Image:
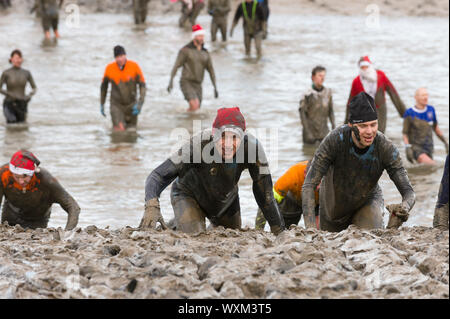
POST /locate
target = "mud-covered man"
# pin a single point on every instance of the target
(125, 77)
(206, 171)
(15, 104)
(140, 8)
(30, 192)
(419, 122)
(219, 10)
(440, 219)
(50, 16)
(194, 59)
(255, 24)
(351, 160)
(375, 83)
(288, 194)
(190, 9)
(316, 107)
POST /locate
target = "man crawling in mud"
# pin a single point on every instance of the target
(206, 171)
(29, 193)
(351, 160)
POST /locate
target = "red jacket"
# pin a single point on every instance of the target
(383, 85)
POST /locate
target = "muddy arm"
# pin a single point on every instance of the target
(398, 103)
(33, 85)
(331, 114)
(323, 159)
(397, 173)
(181, 58)
(64, 199)
(2, 82)
(159, 179)
(104, 90)
(211, 72)
(440, 135)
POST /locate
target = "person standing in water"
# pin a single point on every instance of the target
(15, 104)
(351, 160)
(316, 107)
(418, 125)
(206, 172)
(255, 26)
(194, 59)
(190, 10)
(288, 194)
(125, 77)
(440, 219)
(30, 192)
(140, 8)
(50, 16)
(376, 84)
(219, 10)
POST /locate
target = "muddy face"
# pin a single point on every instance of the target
(228, 145)
(367, 133)
(22, 180)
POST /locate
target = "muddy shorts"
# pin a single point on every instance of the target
(419, 150)
(15, 111)
(191, 218)
(50, 19)
(123, 114)
(191, 90)
(369, 216)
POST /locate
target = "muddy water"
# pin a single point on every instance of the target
(107, 176)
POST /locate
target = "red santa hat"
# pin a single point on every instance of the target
(364, 61)
(229, 119)
(197, 30)
(23, 163)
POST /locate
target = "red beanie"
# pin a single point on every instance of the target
(229, 118)
(23, 163)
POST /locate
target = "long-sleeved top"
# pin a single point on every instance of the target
(316, 107)
(16, 80)
(33, 203)
(383, 86)
(253, 15)
(194, 63)
(124, 84)
(219, 8)
(200, 173)
(356, 173)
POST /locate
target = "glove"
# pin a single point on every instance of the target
(398, 215)
(409, 153)
(136, 110)
(170, 87)
(216, 93)
(152, 215)
(102, 110)
(211, 12)
(276, 230)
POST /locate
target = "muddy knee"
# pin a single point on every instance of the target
(369, 217)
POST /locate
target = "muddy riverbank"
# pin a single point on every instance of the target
(128, 263)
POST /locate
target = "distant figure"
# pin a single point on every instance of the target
(219, 10)
(194, 59)
(190, 10)
(440, 219)
(288, 194)
(15, 104)
(375, 83)
(30, 192)
(125, 77)
(418, 125)
(50, 16)
(316, 107)
(5, 4)
(140, 8)
(255, 26)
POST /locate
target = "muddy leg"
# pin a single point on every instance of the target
(247, 43)
(370, 216)
(214, 28)
(189, 217)
(258, 44)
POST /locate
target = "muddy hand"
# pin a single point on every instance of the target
(409, 153)
(170, 87)
(152, 215)
(398, 215)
